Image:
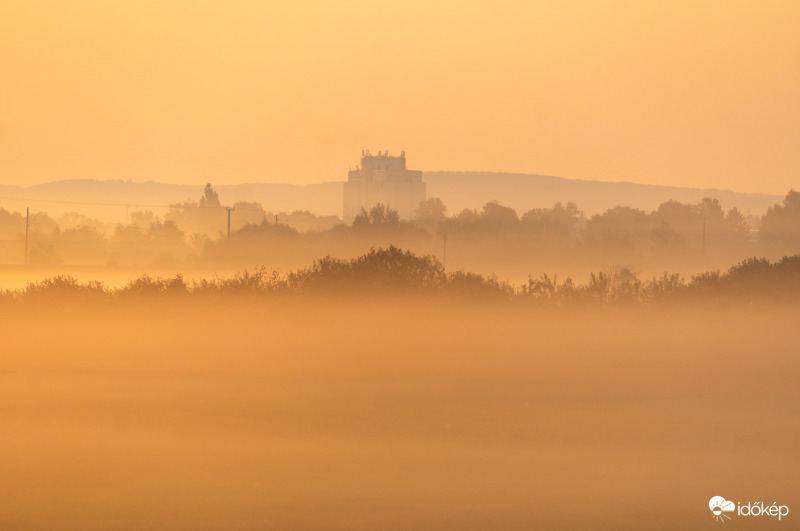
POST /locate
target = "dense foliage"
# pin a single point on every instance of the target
(196, 232)
(393, 272)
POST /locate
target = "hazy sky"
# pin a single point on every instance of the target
(682, 93)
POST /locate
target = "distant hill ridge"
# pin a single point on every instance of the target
(525, 191)
(458, 190)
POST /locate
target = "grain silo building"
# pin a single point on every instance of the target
(384, 179)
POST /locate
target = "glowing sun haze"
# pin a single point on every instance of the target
(680, 93)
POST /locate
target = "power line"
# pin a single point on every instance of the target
(59, 201)
(90, 203)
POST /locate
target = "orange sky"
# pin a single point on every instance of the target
(681, 93)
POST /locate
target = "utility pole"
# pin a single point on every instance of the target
(229, 220)
(276, 220)
(444, 251)
(27, 215)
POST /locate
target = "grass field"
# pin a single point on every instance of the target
(394, 414)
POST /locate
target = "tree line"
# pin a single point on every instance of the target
(394, 272)
(196, 232)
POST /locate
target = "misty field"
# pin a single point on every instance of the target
(393, 413)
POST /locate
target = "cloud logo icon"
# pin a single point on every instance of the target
(719, 506)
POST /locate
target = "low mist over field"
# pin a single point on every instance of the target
(406, 403)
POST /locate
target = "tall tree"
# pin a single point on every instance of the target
(210, 197)
(781, 224)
